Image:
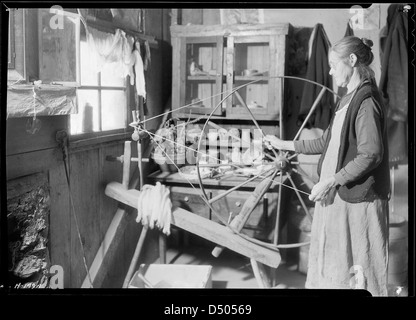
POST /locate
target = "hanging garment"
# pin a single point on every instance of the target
(106, 48)
(394, 81)
(129, 59)
(318, 71)
(139, 71)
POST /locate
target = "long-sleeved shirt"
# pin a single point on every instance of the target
(362, 163)
(369, 149)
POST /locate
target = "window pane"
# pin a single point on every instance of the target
(113, 109)
(112, 75)
(89, 76)
(87, 119)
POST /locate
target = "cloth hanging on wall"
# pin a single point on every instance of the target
(120, 49)
(318, 71)
(111, 48)
(394, 80)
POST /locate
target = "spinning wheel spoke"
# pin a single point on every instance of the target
(314, 105)
(253, 118)
(222, 195)
(304, 163)
(305, 208)
(292, 156)
(270, 157)
(304, 174)
(237, 94)
(279, 201)
(225, 164)
(216, 126)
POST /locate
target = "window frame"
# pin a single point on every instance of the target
(12, 54)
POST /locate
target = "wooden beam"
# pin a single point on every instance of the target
(19, 141)
(112, 26)
(203, 227)
(232, 30)
(19, 165)
(111, 239)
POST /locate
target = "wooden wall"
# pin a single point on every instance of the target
(89, 173)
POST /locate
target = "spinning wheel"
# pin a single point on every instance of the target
(281, 167)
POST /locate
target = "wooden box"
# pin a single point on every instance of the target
(173, 276)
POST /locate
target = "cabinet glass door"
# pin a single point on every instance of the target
(254, 68)
(203, 76)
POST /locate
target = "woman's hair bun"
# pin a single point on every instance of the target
(367, 42)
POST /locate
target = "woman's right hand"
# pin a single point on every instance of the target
(272, 141)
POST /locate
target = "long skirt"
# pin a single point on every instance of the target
(349, 246)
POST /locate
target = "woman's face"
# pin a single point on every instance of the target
(340, 71)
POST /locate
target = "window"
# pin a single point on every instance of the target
(101, 98)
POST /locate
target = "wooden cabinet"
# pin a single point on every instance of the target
(189, 199)
(209, 62)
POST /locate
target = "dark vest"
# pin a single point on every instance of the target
(376, 183)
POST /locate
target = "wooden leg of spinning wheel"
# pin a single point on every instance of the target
(135, 258)
(260, 272)
(126, 164)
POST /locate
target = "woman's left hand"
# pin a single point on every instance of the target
(321, 189)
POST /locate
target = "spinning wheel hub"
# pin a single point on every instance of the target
(282, 163)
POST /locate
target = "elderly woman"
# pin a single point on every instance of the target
(349, 236)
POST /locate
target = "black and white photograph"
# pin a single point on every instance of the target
(181, 146)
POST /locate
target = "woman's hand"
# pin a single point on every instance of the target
(321, 189)
(272, 141)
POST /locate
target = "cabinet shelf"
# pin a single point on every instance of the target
(201, 78)
(251, 78)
